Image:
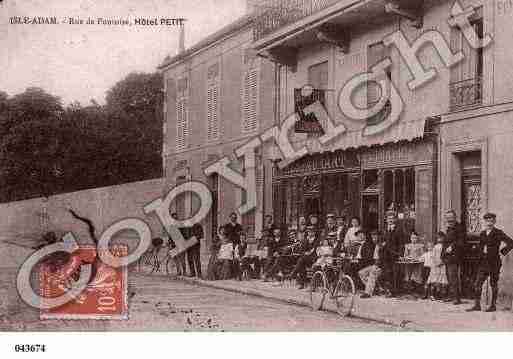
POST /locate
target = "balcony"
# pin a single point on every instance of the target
(466, 93)
(275, 14)
(282, 27)
(308, 123)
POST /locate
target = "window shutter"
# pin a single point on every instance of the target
(181, 124)
(213, 103)
(376, 53)
(250, 100)
(182, 120)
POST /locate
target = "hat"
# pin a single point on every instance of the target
(490, 215)
(330, 215)
(375, 231)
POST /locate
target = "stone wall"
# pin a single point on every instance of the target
(24, 222)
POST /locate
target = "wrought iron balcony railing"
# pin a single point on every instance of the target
(274, 14)
(466, 93)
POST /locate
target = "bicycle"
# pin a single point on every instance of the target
(333, 281)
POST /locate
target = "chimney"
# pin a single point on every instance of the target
(181, 39)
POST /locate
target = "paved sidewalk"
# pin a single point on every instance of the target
(421, 315)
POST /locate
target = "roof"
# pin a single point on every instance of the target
(235, 26)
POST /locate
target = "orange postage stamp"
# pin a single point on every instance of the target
(105, 297)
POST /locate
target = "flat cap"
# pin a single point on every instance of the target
(490, 215)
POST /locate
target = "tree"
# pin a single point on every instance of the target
(47, 149)
(134, 107)
(29, 143)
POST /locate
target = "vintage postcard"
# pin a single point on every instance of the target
(256, 165)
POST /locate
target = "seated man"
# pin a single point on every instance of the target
(307, 256)
(288, 255)
(373, 272)
(364, 256)
(275, 247)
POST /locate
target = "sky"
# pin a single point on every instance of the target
(81, 62)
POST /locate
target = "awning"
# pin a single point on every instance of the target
(402, 131)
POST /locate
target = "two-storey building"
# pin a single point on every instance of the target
(219, 95)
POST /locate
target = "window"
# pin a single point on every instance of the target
(377, 52)
(213, 102)
(466, 77)
(318, 76)
(182, 120)
(250, 99)
(180, 201)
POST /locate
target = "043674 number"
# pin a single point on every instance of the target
(30, 348)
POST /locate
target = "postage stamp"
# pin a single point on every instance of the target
(105, 297)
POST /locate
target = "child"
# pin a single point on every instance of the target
(324, 254)
(412, 252)
(427, 260)
(226, 255)
(437, 280)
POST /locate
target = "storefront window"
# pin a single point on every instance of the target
(399, 192)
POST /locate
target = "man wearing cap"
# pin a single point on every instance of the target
(490, 262)
(452, 255)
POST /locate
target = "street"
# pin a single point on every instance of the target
(158, 303)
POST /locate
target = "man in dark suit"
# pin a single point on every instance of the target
(233, 229)
(490, 262)
(194, 252)
(394, 247)
(452, 255)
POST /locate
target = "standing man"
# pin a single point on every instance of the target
(313, 220)
(394, 242)
(233, 229)
(452, 255)
(194, 252)
(181, 268)
(490, 262)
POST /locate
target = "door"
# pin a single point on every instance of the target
(471, 215)
(313, 206)
(370, 209)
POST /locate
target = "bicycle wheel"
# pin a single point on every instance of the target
(344, 295)
(318, 290)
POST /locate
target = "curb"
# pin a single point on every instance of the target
(403, 324)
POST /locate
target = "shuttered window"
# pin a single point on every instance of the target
(472, 66)
(250, 100)
(182, 116)
(376, 53)
(318, 76)
(213, 103)
(466, 77)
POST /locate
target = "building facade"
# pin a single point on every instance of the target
(449, 150)
(219, 95)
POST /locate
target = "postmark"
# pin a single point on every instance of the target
(105, 296)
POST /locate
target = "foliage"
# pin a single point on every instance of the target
(46, 148)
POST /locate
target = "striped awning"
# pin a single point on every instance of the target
(403, 131)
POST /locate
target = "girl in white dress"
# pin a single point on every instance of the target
(437, 280)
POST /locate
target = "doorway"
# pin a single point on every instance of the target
(313, 206)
